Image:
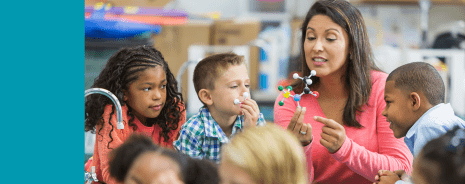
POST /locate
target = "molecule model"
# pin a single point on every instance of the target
(236, 101)
(296, 97)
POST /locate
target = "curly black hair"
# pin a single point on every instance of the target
(121, 70)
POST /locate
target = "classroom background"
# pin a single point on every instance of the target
(266, 32)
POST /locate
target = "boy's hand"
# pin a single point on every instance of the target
(401, 173)
(250, 111)
(378, 175)
(386, 177)
(333, 134)
(302, 131)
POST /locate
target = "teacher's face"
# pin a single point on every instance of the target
(326, 46)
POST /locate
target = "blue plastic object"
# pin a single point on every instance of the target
(97, 27)
(296, 97)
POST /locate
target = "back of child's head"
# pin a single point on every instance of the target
(268, 154)
(122, 69)
(210, 68)
(124, 156)
(419, 77)
(192, 171)
(200, 172)
(442, 160)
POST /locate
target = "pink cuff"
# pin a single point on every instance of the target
(308, 147)
(342, 153)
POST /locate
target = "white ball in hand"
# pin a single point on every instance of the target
(246, 95)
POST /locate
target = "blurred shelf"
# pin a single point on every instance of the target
(264, 97)
(93, 43)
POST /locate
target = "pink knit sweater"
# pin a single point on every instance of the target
(101, 151)
(364, 151)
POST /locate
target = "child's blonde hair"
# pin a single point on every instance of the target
(268, 154)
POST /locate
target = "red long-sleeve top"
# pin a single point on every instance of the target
(101, 148)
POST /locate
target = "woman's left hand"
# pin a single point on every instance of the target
(250, 111)
(333, 134)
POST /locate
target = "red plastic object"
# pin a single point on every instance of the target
(88, 164)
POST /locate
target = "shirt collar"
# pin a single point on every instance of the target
(237, 125)
(435, 112)
(212, 129)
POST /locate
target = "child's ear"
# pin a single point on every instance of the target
(205, 97)
(125, 95)
(415, 101)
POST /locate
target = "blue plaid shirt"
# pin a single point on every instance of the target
(201, 137)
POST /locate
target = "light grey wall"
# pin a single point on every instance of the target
(231, 8)
(227, 8)
(405, 20)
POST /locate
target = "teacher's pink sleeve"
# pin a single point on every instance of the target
(393, 154)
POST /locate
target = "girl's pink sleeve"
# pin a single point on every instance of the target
(393, 154)
(117, 138)
(282, 117)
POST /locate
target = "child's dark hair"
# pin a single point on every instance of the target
(419, 77)
(442, 160)
(193, 171)
(200, 172)
(122, 157)
(120, 71)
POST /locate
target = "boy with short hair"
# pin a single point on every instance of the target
(218, 80)
(414, 95)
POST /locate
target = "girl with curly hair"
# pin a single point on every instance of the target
(142, 81)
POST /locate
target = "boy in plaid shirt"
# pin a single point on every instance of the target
(218, 80)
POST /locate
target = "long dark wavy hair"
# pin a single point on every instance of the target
(360, 61)
(121, 70)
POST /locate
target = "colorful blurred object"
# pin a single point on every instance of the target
(141, 15)
(88, 164)
(106, 22)
(440, 66)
